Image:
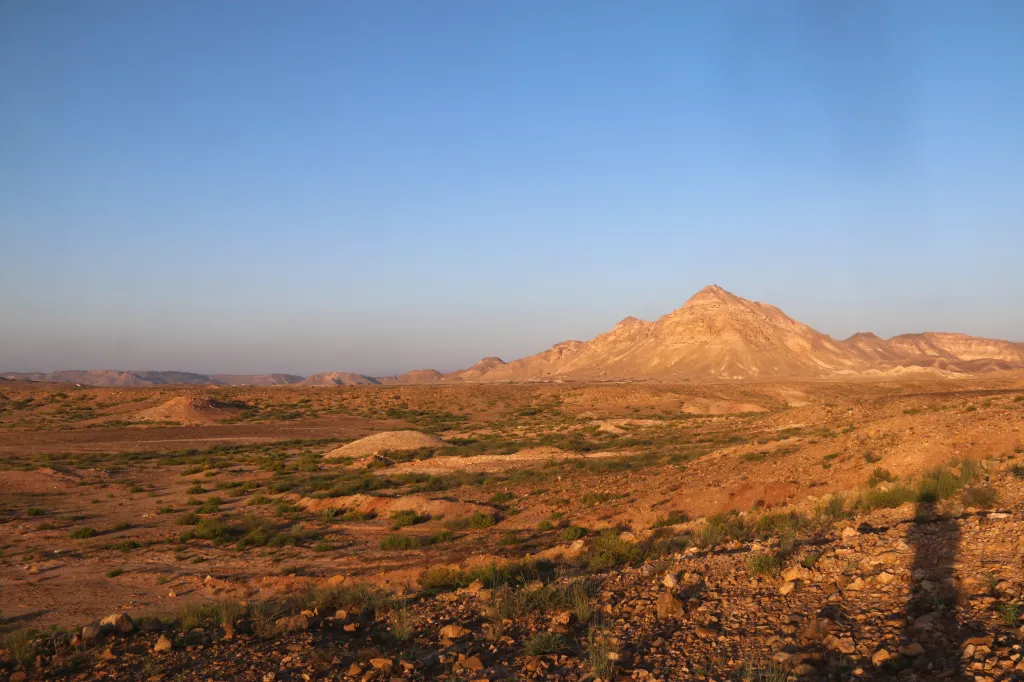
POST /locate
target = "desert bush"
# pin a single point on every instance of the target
(82, 533)
(196, 489)
(407, 517)
(573, 533)
(609, 550)
(115, 572)
(831, 510)
(481, 520)
(673, 518)
(188, 519)
(398, 541)
(880, 475)
(981, 496)
(501, 498)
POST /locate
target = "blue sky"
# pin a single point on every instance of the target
(381, 186)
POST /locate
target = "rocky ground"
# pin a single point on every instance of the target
(861, 532)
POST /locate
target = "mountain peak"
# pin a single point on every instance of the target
(713, 293)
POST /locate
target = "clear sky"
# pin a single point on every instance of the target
(380, 186)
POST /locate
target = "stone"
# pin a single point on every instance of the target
(787, 587)
(880, 657)
(380, 663)
(120, 623)
(671, 580)
(18, 676)
(293, 623)
(855, 585)
(668, 606)
(453, 631)
(162, 644)
(913, 649)
(796, 573)
(884, 578)
(850, 532)
(90, 633)
(705, 632)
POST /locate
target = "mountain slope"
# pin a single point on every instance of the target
(718, 335)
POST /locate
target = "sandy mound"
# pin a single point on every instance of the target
(384, 506)
(523, 458)
(393, 441)
(185, 409)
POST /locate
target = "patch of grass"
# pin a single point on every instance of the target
(887, 499)
(124, 546)
(544, 643)
(764, 564)
(22, 646)
(210, 505)
(444, 578)
(188, 519)
(754, 456)
(82, 533)
(871, 457)
(195, 489)
(258, 500)
(673, 518)
(402, 625)
(398, 541)
(407, 517)
(600, 653)
(35, 511)
(323, 546)
(114, 573)
(1009, 613)
(501, 498)
(911, 411)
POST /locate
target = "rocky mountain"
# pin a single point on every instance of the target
(715, 336)
(255, 379)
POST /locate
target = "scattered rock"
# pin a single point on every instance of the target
(162, 644)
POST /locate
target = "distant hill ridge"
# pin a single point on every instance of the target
(715, 336)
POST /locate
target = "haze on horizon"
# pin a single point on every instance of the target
(340, 186)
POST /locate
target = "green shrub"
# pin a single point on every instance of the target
(188, 519)
(260, 499)
(481, 520)
(114, 573)
(501, 498)
(407, 517)
(35, 511)
(609, 550)
(573, 533)
(82, 533)
(196, 489)
(764, 564)
(673, 518)
(397, 541)
(880, 475)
